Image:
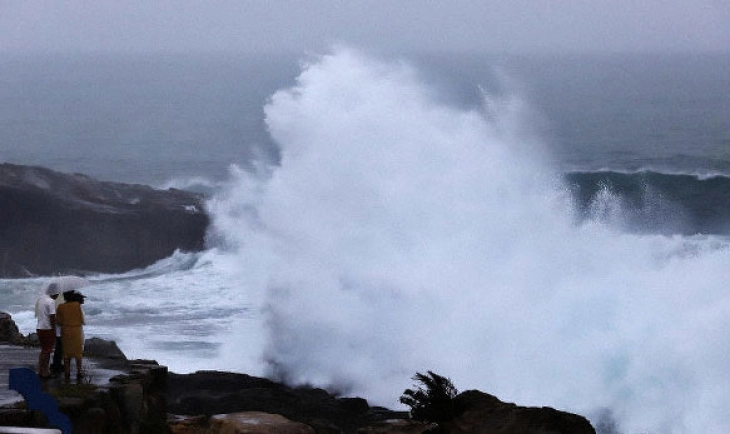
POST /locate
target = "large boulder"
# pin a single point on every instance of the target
(481, 413)
(103, 349)
(54, 223)
(9, 332)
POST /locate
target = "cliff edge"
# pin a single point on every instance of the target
(55, 223)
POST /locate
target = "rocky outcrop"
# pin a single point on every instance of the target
(210, 393)
(9, 332)
(54, 223)
(213, 392)
(103, 349)
(399, 426)
(481, 413)
(146, 398)
(131, 403)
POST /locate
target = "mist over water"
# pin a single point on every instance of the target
(399, 235)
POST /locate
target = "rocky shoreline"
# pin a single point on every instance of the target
(145, 398)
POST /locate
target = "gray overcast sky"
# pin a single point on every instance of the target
(397, 25)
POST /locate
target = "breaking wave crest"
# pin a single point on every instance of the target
(399, 235)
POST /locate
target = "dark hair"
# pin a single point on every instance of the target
(71, 296)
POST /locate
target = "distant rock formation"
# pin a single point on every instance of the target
(54, 223)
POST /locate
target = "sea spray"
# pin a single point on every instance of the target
(579, 310)
(400, 235)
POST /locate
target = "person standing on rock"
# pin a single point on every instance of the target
(45, 312)
(57, 363)
(70, 316)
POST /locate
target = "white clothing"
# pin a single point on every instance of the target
(44, 308)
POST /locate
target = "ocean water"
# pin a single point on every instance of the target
(551, 230)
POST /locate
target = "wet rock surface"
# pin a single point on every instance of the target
(213, 392)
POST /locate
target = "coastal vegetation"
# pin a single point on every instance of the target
(432, 400)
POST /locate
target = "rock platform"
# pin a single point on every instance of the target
(115, 395)
(14, 356)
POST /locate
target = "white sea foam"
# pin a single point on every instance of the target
(399, 235)
(179, 311)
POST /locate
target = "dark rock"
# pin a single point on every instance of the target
(93, 421)
(398, 426)
(9, 330)
(54, 223)
(140, 396)
(481, 413)
(22, 417)
(72, 406)
(103, 349)
(131, 405)
(213, 392)
(130, 398)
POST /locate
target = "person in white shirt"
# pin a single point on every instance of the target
(45, 312)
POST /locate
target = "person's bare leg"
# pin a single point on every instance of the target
(67, 367)
(79, 372)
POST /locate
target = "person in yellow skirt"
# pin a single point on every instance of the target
(70, 316)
